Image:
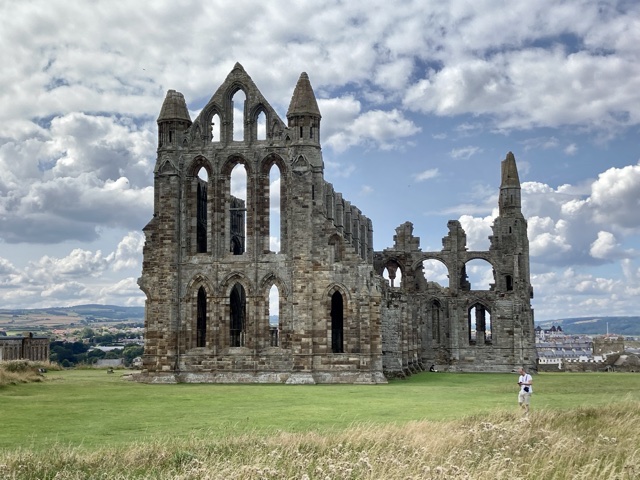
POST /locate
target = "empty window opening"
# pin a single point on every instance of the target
(238, 102)
(478, 275)
(393, 274)
(434, 274)
(275, 199)
(509, 283)
(215, 128)
(201, 323)
(238, 314)
(274, 316)
(311, 133)
(238, 210)
(479, 323)
(301, 134)
(201, 213)
(261, 124)
(337, 323)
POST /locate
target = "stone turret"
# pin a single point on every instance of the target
(173, 120)
(510, 195)
(303, 115)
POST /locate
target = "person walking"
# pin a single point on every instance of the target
(526, 389)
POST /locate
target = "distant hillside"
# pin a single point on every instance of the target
(113, 312)
(57, 317)
(627, 326)
(84, 314)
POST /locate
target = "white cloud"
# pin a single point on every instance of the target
(348, 126)
(81, 93)
(128, 253)
(465, 152)
(426, 175)
(572, 225)
(614, 197)
(604, 245)
(124, 292)
(78, 277)
(571, 149)
(478, 231)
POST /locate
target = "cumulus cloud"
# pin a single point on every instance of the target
(604, 245)
(570, 224)
(477, 230)
(124, 292)
(568, 227)
(128, 252)
(81, 93)
(614, 197)
(78, 277)
(348, 126)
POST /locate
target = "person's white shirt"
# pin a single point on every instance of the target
(525, 379)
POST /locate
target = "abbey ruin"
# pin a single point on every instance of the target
(209, 268)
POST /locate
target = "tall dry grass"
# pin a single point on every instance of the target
(585, 443)
(13, 372)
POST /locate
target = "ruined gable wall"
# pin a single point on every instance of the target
(439, 315)
(318, 258)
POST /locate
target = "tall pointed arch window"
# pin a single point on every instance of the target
(238, 210)
(238, 101)
(275, 204)
(274, 316)
(215, 128)
(201, 321)
(337, 323)
(238, 315)
(201, 211)
(261, 126)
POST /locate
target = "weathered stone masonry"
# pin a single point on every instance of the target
(208, 268)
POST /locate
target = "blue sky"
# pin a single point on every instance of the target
(420, 102)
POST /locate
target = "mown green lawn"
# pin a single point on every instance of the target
(90, 408)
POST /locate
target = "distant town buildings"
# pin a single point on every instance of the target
(559, 351)
(24, 347)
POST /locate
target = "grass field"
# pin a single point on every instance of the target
(83, 417)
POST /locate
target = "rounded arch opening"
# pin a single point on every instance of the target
(477, 274)
(434, 273)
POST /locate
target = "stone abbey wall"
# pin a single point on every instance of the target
(208, 267)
